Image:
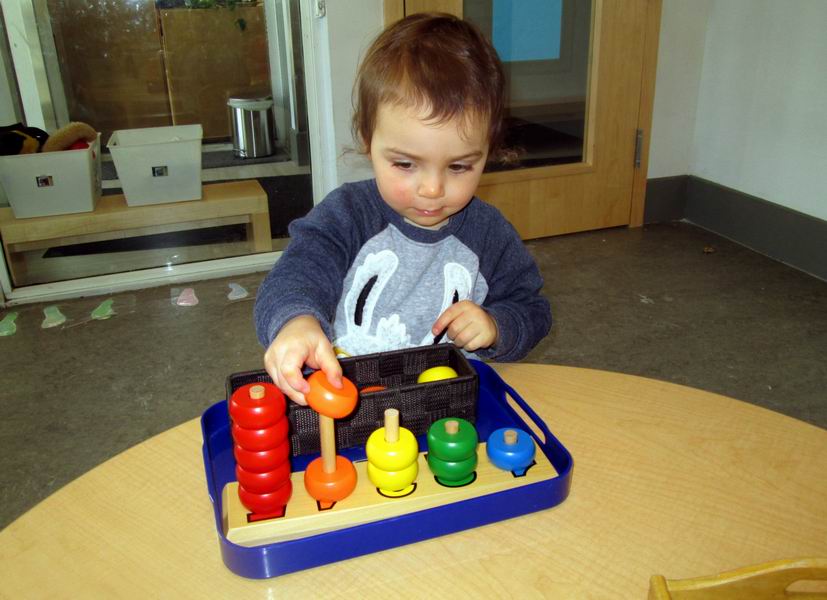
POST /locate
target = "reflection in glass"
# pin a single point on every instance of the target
(150, 65)
(544, 46)
(129, 64)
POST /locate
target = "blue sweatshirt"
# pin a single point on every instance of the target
(375, 282)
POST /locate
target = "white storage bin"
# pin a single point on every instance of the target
(52, 183)
(158, 164)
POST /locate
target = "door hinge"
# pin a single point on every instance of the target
(319, 8)
(638, 147)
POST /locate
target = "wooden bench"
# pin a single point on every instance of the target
(229, 203)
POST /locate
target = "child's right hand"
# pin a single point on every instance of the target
(301, 341)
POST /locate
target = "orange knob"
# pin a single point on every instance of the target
(329, 401)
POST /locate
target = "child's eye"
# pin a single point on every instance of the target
(405, 165)
(459, 168)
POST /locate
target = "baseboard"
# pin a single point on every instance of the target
(778, 232)
(665, 199)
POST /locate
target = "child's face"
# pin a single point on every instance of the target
(426, 172)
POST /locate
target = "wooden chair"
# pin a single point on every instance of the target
(767, 581)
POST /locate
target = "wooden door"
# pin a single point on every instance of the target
(604, 185)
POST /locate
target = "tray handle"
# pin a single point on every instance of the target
(536, 420)
(559, 455)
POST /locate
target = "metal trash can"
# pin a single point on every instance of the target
(252, 125)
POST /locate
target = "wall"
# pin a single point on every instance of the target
(762, 119)
(351, 27)
(756, 110)
(680, 58)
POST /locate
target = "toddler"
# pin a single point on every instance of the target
(410, 257)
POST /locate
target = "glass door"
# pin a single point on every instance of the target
(576, 86)
(134, 64)
(544, 46)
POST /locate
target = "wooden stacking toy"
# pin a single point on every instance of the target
(330, 477)
(510, 449)
(392, 453)
(452, 451)
(261, 449)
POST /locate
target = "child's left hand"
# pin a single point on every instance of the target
(468, 325)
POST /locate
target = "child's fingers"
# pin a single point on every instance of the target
(448, 316)
(327, 361)
(292, 382)
(470, 326)
(290, 390)
(475, 343)
(463, 332)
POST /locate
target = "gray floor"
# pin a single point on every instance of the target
(645, 301)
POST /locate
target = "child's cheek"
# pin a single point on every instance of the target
(402, 192)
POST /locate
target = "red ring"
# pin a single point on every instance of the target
(251, 413)
(266, 503)
(261, 439)
(263, 460)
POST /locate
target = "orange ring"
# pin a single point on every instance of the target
(328, 400)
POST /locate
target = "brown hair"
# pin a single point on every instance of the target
(435, 62)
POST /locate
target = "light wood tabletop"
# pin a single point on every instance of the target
(667, 480)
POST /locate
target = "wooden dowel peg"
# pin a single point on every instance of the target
(391, 425)
(327, 439)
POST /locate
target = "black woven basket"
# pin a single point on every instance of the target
(419, 404)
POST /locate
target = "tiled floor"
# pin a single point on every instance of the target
(646, 301)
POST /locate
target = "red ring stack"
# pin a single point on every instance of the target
(262, 449)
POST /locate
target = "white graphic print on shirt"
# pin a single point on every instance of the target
(396, 289)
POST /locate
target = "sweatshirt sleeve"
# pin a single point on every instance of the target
(515, 298)
(308, 278)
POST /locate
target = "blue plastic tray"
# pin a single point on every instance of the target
(493, 412)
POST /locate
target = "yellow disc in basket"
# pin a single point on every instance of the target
(436, 374)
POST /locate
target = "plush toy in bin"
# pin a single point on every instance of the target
(19, 139)
(74, 136)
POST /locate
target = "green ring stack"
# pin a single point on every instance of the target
(452, 451)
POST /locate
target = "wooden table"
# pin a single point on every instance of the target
(227, 203)
(667, 480)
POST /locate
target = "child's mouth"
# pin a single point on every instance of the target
(428, 213)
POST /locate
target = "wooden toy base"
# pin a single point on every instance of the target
(304, 518)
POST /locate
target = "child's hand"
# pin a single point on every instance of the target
(468, 325)
(301, 341)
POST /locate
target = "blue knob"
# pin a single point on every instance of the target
(510, 449)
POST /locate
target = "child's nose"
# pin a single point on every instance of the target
(431, 186)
